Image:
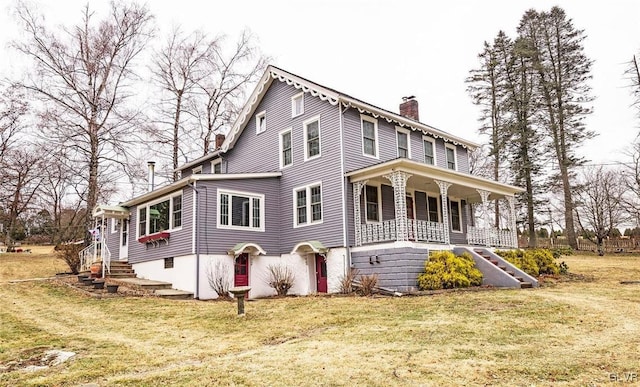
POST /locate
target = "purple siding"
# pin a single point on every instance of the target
(260, 153)
(387, 145)
(112, 239)
(180, 241)
(219, 240)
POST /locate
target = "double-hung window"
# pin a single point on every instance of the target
(312, 138)
(451, 156)
(369, 136)
(456, 215)
(177, 211)
(297, 105)
(402, 142)
(307, 205)
(240, 210)
(372, 203)
(216, 166)
(433, 209)
(286, 154)
(429, 147)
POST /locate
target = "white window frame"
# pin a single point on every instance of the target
(366, 212)
(259, 116)
(375, 134)
(281, 149)
(197, 170)
(459, 215)
(114, 225)
(310, 221)
(455, 156)
(249, 195)
(299, 96)
(408, 133)
(305, 124)
(148, 214)
(433, 147)
(215, 162)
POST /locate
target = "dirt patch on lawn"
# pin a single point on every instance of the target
(37, 359)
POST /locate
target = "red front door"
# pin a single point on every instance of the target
(321, 273)
(410, 216)
(241, 270)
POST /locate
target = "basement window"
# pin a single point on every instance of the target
(168, 263)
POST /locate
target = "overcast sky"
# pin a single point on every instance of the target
(380, 51)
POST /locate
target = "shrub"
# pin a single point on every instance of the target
(368, 283)
(444, 270)
(533, 262)
(218, 278)
(346, 281)
(560, 251)
(281, 278)
(70, 254)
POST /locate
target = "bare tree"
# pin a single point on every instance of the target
(83, 77)
(600, 207)
(221, 94)
(633, 75)
(179, 66)
(21, 167)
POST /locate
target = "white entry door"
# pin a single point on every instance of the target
(124, 240)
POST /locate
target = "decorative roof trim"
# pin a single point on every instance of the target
(246, 247)
(405, 123)
(309, 247)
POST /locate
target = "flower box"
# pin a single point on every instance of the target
(155, 238)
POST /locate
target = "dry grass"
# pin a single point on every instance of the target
(41, 262)
(568, 333)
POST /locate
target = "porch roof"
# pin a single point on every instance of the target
(116, 212)
(423, 177)
(309, 247)
(246, 247)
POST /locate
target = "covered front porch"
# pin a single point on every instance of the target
(403, 200)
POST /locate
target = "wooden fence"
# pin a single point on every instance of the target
(610, 245)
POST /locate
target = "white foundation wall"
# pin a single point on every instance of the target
(337, 266)
(183, 274)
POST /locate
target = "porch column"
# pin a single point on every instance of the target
(511, 200)
(484, 195)
(444, 187)
(398, 180)
(357, 191)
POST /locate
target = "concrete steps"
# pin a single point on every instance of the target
(158, 288)
(523, 284)
(120, 269)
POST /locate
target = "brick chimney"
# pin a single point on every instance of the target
(219, 140)
(409, 108)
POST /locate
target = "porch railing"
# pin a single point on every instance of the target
(490, 237)
(93, 253)
(425, 231)
(417, 230)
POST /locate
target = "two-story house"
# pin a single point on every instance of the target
(314, 179)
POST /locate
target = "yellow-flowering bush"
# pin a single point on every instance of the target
(444, 270)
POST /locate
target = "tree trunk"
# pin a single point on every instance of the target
(92, 190)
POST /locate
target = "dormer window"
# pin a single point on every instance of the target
(261, 122)
(297, 105)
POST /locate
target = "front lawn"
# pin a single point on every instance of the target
(573, 332)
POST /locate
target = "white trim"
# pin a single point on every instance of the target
(293, 104)
(114, 225)
(194, 216)
(451, 200)
(196, 170)
(343, 180)
(259, 117)
(378, 186)
(281, 150)
(250, 196)
(305, 124)
(148, 204)
(367, 118)
(433, 149)
(214, 162)
(309, 213)
(408, 133)
(455, 156)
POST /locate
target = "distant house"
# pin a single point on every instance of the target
(314, 179)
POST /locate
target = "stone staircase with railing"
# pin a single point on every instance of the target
(496, 271)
